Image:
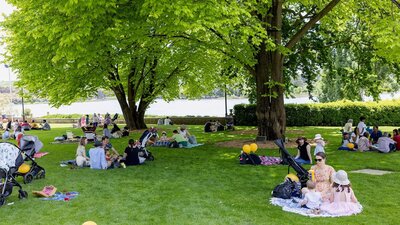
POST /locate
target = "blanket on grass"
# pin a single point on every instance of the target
(40, 154)
(293, 205)
(59, 196)
(269, 160)
(193, 145)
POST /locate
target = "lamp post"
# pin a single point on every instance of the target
(226, 103)
(9, 81)
(23, 109)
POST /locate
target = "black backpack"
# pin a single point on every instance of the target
(251, 158)
(284, 190)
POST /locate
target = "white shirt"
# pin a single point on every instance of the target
(383, 144)
(361, 128)
(314, 199)
(167, 121)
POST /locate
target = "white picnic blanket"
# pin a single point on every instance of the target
(293, 205)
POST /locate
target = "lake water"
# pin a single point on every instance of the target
(181, 107)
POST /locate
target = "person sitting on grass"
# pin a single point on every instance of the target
(149, 137)
(396, 138)
(364, 143)
(385, 144)
(6, 134)
(375, 134)
(25, 125)
(163, 141)
(106, 131)
(177, 140)
(345, 142)
(45, 125)
(34, 125)
(348, 126)
(303, 151)
(312, 199)
(342, 200)
(185, 133)
(131, 155)
(207, 126)
(81, 158)
(97, 157)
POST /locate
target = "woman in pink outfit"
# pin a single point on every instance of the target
(342, 201)
(323, 175)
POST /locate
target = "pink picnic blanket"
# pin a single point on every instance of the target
(269, 160)
(39, 154)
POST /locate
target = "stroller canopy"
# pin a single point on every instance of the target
(9, 155)
(30, 144)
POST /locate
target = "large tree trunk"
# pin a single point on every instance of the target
(270, 110)
(134, 119)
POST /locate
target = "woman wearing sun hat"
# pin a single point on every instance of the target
(323, 175)
(342, 200)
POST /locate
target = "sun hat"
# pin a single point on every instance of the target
(340, 177)
(318, 137)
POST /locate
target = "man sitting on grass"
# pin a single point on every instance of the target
(385, 144)
(131, 154)
(97, 157)
(177, 140)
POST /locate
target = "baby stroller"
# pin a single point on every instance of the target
(29, 146)
(143, 152)
(10, 160)
(302, 173)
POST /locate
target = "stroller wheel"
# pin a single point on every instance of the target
(42, 174)
(151, 158)
(22, 194)
(28, 178)
(2, 200)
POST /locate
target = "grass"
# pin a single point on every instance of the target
(203, 185)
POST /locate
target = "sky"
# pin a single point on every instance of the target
(5, 9)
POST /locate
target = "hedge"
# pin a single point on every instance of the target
(384, 113)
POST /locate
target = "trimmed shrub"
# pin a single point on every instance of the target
(384, 113)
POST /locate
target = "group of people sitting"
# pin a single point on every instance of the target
(96, 120)
(363, 139)
(13, 129)
(330, 192)
(104, 156)
(180, 138)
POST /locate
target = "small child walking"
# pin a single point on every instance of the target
(312, 199)
(320, 144)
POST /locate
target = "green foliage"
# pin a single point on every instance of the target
(384, 113)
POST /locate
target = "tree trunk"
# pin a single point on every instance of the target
(134, 119)
(270, 110)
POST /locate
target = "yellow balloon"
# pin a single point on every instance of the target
(292, 177)
(89, 223)
(350, 145)
(253, 147)
(24, 168)
(246, 149)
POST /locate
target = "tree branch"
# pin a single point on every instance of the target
(296, 38)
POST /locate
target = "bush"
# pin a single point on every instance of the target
(384, 113)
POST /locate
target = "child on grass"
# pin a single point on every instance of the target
(342, 200)
(312, 199)
(320, 143)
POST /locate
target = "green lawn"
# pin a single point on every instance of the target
(203, 185)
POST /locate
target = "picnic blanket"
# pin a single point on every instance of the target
(59, 196)
(269, 160)
(192, 145)
(40, 154)
(293, 205)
